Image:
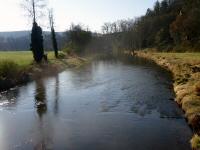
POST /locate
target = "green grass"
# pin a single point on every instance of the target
(16, 66)
(21, 58)
(13, 63)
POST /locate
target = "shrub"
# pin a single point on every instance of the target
(61, 55)
(195, 142)
(68, 49)
(8, 69)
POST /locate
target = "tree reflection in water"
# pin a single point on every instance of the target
(56, 105)
(43, 140)
(40, 98)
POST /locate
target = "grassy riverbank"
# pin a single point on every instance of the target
(19, 67)
(186, 72)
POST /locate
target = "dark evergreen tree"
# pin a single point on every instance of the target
(37, 43)
(54, 42)
(34, 9)
(53, 34)
(157, 8)
(164, 6)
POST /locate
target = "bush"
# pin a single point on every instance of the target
(197, 46)
(67, 50)
(195, 142)
(61, 55)
(8, 69)
(79, 38)
(180, 48)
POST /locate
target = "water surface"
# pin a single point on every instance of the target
(106, 105)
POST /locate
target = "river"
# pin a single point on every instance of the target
(105, 105)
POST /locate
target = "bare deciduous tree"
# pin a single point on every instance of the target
(34, 8)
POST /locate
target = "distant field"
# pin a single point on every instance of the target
(186, 57)
(22, 58)
(182, 55)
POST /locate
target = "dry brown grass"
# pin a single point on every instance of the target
(181, 94)
(195, 142)
(197, 88)
(186, 72)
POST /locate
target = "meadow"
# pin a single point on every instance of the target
(192, 58)
(21, 58)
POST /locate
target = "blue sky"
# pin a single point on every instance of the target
(92, 13)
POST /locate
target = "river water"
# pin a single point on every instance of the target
(105, 105)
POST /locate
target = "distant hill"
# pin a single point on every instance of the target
(14, 34)
(17, 34)
(20, 40)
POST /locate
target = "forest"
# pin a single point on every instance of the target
(172, 25)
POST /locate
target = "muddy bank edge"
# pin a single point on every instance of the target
(19, 76)
(186, 75)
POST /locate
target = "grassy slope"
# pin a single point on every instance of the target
(25, 58)
(21, 58)
(16, 67)
(19, 67)
(186, 71)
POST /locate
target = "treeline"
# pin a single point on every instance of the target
(78, 39)
(12, 43)
(22, 43)
(170, 25)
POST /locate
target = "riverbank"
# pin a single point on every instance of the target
(185, 68)
(18, 67)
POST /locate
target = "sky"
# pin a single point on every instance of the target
(91, 13)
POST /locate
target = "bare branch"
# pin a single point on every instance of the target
(34, 8)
